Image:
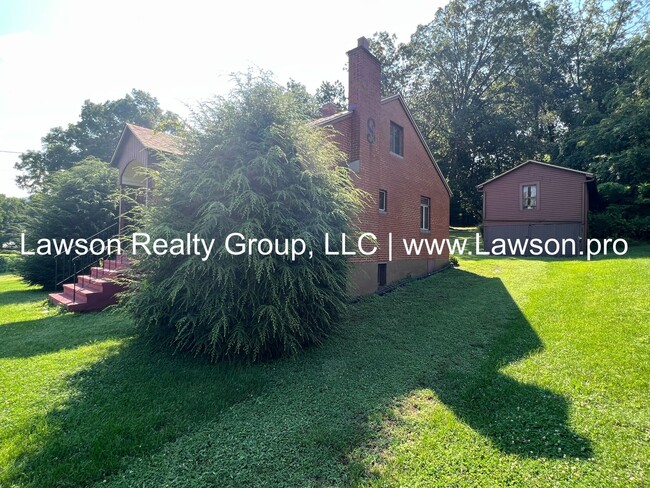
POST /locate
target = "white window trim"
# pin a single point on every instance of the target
(428, 220)
(521, 196)
(385, 209)
(390, 134)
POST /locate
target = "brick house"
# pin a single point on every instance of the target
(384, 149)
(391, 162)
(537, 200)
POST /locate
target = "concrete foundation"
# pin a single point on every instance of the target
(364, 276)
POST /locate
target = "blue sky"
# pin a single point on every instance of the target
(54, 54)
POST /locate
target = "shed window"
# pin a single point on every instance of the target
(396, 139)
(529, 196)
(383, 201)
(425, 213)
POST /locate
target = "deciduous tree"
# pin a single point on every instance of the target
(95, 135)
(74, 203)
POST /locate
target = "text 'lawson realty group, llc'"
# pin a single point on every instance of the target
(365, 244)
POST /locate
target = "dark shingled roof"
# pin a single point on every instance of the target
(158, 141)
(331, 118)
(532, 161)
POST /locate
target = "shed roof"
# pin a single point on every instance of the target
(589, 176)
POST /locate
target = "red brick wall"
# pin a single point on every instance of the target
(406, 179)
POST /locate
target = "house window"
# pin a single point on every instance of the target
(396, 139)
(381, 274)
(425, 213)
(383, 201)
(529, 196)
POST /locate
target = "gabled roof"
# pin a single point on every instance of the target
(422, 141)
(154, 140)
(589, 176)
(341, 115)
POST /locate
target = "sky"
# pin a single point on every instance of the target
(54, 54)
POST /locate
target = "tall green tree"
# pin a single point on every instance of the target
(12, 218)
(331, 92)
(309, 104)
(393, 58)
(76, 202)
(607, 67)
(493, 82)
(95, 135)
(257, 168)
(613, 140)
(463, 70)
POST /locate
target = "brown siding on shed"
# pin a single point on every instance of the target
(561, 211)
(527, 231)
(560, 195)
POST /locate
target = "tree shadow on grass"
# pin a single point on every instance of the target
(145, 415)
(516, 417)
(481, 330)
(125, 406)
(22, 296)
(56, 332)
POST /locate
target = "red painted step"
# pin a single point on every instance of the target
(94, 291)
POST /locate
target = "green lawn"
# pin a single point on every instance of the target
(504, 372)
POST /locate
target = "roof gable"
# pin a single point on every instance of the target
(150, 139)
(344, 114)
(402, 102)
(587, 175)
(331, 118)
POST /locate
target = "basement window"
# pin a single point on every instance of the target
(396, 139)
(529, 197)
(425, 213)
(383, 200)
(381, 274)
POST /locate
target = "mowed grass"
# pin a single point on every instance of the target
(504, 372)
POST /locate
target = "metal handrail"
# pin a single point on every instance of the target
(97, 233)
(74, 265)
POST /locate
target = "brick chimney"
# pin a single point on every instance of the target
(328, 109)
(364, 72)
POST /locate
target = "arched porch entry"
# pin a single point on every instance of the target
(135, 189)
(139, 150)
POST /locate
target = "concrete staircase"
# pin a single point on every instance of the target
(94, 291)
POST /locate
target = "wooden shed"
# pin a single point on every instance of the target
(537, 201)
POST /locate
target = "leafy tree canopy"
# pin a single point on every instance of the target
(95, 135)
(12, 217)
(613, 140)
(326, 93)
(329, 92)
(494, 82)
(257, 168)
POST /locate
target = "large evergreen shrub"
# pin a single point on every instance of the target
(254, 166)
